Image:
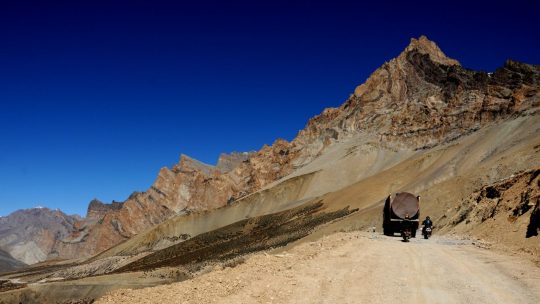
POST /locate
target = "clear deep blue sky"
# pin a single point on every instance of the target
(97, 96)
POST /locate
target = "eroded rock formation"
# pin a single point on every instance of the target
(506, 212)
(423, 98)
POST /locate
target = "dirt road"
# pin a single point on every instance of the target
(358, 267)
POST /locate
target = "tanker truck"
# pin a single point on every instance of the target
(396, 209)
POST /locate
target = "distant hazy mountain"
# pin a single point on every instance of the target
(30, 235)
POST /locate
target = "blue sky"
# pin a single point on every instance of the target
(96, 96)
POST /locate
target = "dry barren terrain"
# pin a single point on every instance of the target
(358, 267)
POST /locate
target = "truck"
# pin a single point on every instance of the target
(396, 209)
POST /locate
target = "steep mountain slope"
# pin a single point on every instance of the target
(419, 99)
(30, 235)
(356, 174)
(448, 174)
(8, 263)
(422, 98)
(506, 211)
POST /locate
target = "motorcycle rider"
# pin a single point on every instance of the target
(406, 224)
(427, 223)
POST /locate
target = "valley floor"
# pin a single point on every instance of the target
(358, 267)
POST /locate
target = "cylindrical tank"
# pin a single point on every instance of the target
(405, 203)
(396, 209)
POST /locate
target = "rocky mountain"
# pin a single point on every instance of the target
(423, 98)
(30, 235)
(507, 211)
(416, 101)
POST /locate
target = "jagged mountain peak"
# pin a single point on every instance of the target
(188, 163)
(422, 98)
(97, 208)
(95, 201)
(425, 46)
(226, 163)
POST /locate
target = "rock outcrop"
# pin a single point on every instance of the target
(506, 212)
(420, 99)
(227, 162)
(423, 98)
(189, 186)
(98, 209)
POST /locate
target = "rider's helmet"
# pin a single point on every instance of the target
(427, 218)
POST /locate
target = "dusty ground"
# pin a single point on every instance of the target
(358, 267)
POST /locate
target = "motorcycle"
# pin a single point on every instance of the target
(406, 234)
(427, 232)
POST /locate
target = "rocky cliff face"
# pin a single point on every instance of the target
(419, 99)
(423, 98)
(505, 212)
(30, 235)
(189, 186)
